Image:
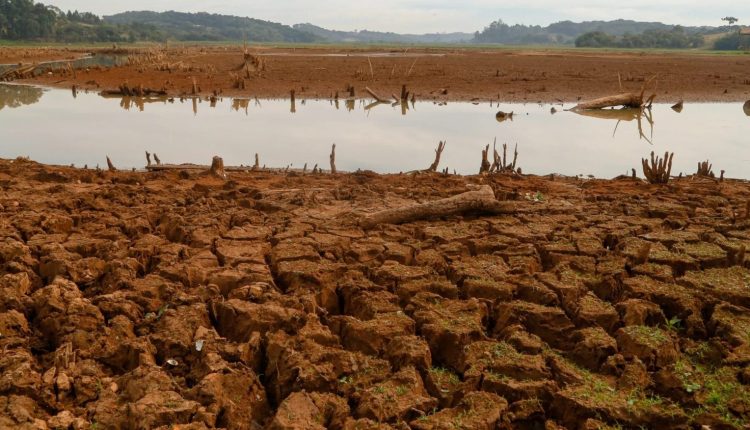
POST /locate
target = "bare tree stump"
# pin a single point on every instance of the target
(110, 166)
(478, 201)
(438, 152)
(256, 166)
(217, 167)
(333, 159)
(148, 158)
(705, 169)
(156, 158)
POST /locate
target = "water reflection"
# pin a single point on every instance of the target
(375, 137)
(625, 114)
(13, 96)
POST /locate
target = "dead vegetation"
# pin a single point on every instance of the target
(660, 169)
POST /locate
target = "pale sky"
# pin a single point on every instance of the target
(423, 16)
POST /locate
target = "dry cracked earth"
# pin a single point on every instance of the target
(181, 301)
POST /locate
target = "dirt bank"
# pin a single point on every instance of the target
(133, 300)
(439, 74)
(27, 56)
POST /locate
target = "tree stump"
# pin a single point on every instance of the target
(217, 167)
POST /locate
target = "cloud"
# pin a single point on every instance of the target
(421, 16)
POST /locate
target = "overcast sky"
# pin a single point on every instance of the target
(421, 16)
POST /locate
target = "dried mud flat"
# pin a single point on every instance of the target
(509, 75)
(179, 300)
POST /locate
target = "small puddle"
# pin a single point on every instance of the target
(58, 127)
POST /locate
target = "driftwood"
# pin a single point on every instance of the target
(631, 100)
(660, 169)
(478, 201)
(217, 167)
(333, 159)
(438, 152)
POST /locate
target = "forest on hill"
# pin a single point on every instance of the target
(29, 21)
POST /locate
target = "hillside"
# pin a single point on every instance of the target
(366, 36)
(213, 27)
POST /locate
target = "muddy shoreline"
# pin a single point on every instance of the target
(507, 75)
(135, 300)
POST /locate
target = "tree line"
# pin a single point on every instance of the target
(26, 20)
(676, 38)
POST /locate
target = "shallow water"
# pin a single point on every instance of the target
(53, 126)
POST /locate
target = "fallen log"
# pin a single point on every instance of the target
(477, 201)
(631, 100)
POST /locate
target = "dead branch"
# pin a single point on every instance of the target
(485, 167)
(110, 166)
(333, 159)
(376, 97)
(156, 158)
(438, 152)
(148, 158)
(501, 165)
(478, 201)
(660, 169)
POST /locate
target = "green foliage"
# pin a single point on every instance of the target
(212, 27)
(675, 38)
(26, 20)
(732, 42)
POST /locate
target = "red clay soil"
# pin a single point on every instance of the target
(180, 300)
(509, 75)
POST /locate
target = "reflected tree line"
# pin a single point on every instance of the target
(13, 96)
